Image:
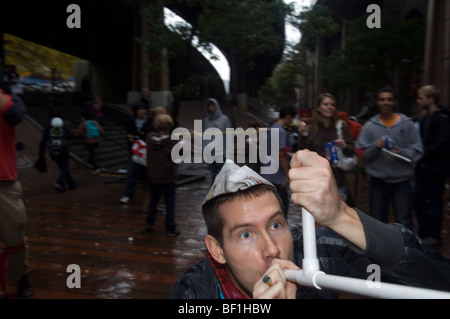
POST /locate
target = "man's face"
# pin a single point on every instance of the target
(211, 108)
(255, 232)
(423, 101)
(385, 102)
(141, 113)
(306, 119)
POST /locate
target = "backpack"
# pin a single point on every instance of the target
(92, 130)
(57, 143)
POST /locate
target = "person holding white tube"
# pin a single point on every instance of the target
(391, 146)
(251, 245)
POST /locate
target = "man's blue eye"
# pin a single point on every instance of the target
(245, 235)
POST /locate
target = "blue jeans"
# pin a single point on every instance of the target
(168, 191)
(91, 147)
(382, 193)
(135, 172)
(64, 174)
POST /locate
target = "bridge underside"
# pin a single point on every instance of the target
(106, 39)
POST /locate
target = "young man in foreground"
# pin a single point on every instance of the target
(249, 238)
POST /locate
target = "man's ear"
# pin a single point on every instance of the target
(215, 249)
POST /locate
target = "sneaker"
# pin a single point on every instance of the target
(125, 200)
(24, 289)
(58, 187)
(173, 233)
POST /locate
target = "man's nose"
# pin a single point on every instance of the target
(270, 246)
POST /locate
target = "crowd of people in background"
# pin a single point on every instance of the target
(408, 164)
(394, 180)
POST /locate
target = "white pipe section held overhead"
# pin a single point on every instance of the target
(311, 275)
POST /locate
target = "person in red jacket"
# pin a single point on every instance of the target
(12, 213)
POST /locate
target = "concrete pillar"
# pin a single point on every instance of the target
(446, 35)
(145, 58)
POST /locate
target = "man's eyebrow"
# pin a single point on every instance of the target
(243, 225)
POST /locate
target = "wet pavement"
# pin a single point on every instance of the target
(88, 227)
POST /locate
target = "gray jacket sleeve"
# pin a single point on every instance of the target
(384, 242)
(403, 257)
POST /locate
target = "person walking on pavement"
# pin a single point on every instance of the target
(92, 131)
(13, 215)
(216, 119)
(391, 176)
(137, 129)
(96, 110)
(434, 167)
(55, 139)
(162, 172)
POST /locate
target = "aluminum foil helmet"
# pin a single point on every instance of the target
(233, 178)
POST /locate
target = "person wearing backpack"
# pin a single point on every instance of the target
(54, 139)
(92, 132)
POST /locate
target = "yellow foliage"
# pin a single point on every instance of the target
(34, 59)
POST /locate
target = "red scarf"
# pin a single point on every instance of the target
(226, 284)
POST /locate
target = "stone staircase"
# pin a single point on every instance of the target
(112, 153)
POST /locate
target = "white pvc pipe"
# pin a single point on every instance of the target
(311, 275)
(363, 287)
(310, 261)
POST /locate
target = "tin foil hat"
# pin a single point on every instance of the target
(233, 178)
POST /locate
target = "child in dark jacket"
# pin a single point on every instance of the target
(162, 172)
(54, 139)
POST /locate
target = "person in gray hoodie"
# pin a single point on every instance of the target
(216, 119)
(391, 145)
